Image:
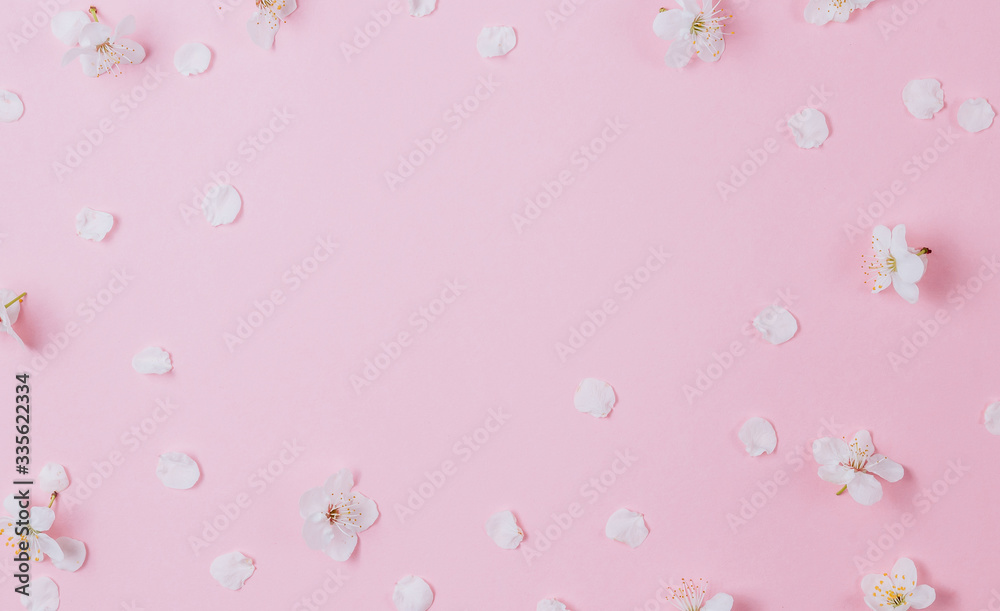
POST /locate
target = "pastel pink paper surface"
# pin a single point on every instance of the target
(780, 236)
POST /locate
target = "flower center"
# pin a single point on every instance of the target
(343, 513)
(689, 596)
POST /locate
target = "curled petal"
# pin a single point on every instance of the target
(758, 436)
(221, 205)
(178, 470)
(503, 529)
(923, 97)
(93, 224)
(809, 128)
(422, 8)
(550, 604)
(74, 553)
(152, 360)
(52, 478)
(975, 115)
(594, 397)
(628, 527)
(412, 594)
(231, 570)
(992, 418)
(496, 41)
(776, 324)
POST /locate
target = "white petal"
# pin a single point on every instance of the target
(221, 205)
(232, 570)
(719, 602)
(340, 482)
(93, 224)
(992, 417)
(7, 295)
(44, 595)
(594, 397)
(177, 470)
(758, 436)
(830, 451)
(776, 324)
(41, 518)
(865, 489)
(94, 34)
(503, 529)
(626, 526)
(125, 27)
(907, 290)
(67, 26)
(550, 604)
(152, 360)
(262, 27)
(923, 97)
(312, 501)
(420, 8)
(129, 51)
(11, 107)
(192, 58)
(74, 553)
(922, 597)
(412, 594)
(975, 115)
(809, 128)
(341, 544)
(11, 507)
(679, 53)
(52, 478)
(889, 470)
(672, 24)
(496, 41)
(48, 547)
(904, 574)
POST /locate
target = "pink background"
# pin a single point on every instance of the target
(782, 233)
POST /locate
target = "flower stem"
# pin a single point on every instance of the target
(841, 491)
(924, 251)
(52, 499)
(93, 13)
(16, 299)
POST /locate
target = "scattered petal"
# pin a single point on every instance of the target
(626, 526)
(412, 594)
(66, 26)
(975, 115)
(232, 570)
(221, 205)
(44, 595)
(152, 360)
(93, 224)
(74, 553)
(177, 470)
(809, 128)
(192, 58)
(776, 324)
(550, 604)
(594, 397)
(993, 418)
(52, 478)
(11, 107)
(496, 41)
(503, 529)
(420, 8)
(758, 436)
(923, 97)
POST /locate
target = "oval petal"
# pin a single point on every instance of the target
(975, 115)
(758, 436)
(74, 554)
(627, 526)
(93, 224)
(221, 205)
(192, 58)
(776, 324)
(177, 470)
(594, 397)
(44, 595)
(421, 8)
(412, 594)
(66, 26)
(232, 570)
(152, 360)
(503, 529)
(52, 478)
(496, 41)
(809, 128)
(992, 417)
(550, 604)
(923, 97)
(11, 107)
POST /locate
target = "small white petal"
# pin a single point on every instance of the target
(44, 595)
(809, 128)
(626, 526)
(93, 224)
(496, 41)
(758, 436)
(232, 570)
(74, 553)
(11, 107)
(550, 604)
(503, 529)
(41, 518)
(66, 26)
(52, 478)
(221, 205)
(923, 97)
(776, 324)
(152, 360)
(192, 58)
(420, 8)
(412, 594)
(719, 602)
(993, 418)
(975, 115)
(594, 397)
(177, 470)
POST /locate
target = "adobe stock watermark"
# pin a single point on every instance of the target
(624, 289)
(539, 542)
(923, 502)
(314, 601)
(757, 158)
(910, 345)
(453, 119)
(560, 14)
(767, 489)
(247, 152)
(993, 604)
(899, 16)
(913, 169)
(419, 321)
(291, 279)
(94, 136)
(131, 440)
(708, 376)
(580, 160)
(87, 312)
(37, 22)
(462, 452)
(258, 483)
(365, 34)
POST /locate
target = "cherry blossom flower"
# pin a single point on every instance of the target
(690, 596)
(855, 466)
(893, 262)
(264, 23)
(39, 519)
(694, 30)
(103, 50)
(897, 590)
(821, 12)
(334, 516)
(9, 312)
